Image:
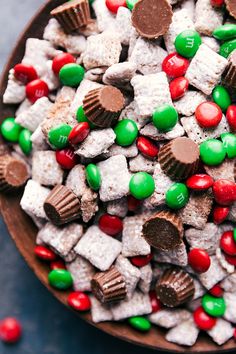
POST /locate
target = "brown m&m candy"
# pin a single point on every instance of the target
(13, 173)
(175, 287)
(62, 205)
(229, 75)
(72, 15)
(109, 286)
(231, 7)
(163, 231)
(152, 18)
(102, 106)
(179, 158)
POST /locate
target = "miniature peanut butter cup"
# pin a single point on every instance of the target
(175, 287)
(102, 106)
(62, 205)
(13, 173)
(179, 158)
(73, 15)
(229, 75)
(109, 286)
(152, 18)
(163, 231)
(231, 7)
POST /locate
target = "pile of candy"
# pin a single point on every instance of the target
(124, 140)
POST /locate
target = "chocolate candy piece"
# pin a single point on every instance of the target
(163, 231)
(229, 75)
(13, 173)
(109, 286)
(175, 287)
(179, 158)
(62, 205)
(152, 18)
(231, 7)
(102, 106)
(72, 15)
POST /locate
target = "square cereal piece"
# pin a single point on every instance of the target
(84, 87)
(169, 318)
(133, 243)
(207, 238)
(76, 180)
(145, 279)
(23, 107)
(186, 105)
(89, 205)
(61, 239)
(115, 178)
(82, 273)
(38, 140)
(105, 19)
(123, 24)
(162, 184)
(51, 79)
(15, 90)
(189, 6)
(207, 17)
(185, 333)
(100, 312)
(141, 163)
(33, 199)
(97, 143)
(138, 305)
(230, 313)
(229, 283)
(45, 169)
(102, 50)
(151, 131)
(221, 332)
(211, 42)
(205, 69)
(214, 275)
(118, 207)
(120, 74)
(132, 112)
(225, 170)
(177, 256)
(130, 273)
(150, 92)
(129, 151)
(98, 248)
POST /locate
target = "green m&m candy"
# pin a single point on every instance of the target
(141, 185)
(25, 142)
(93, 176)
(212, 152)
(177, 196)
(130, 4)
(10, 130)
(225, 32)
(126, 132)
(221, 97)
(58, 136)
(140, 323)
(187, 43)
(165, 118)
(229, 142)
(227, 48)
(81, 117)
(214, 306)
(234, 234)
(60, 279)
(71, 74)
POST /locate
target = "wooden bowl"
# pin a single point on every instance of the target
(23, 231)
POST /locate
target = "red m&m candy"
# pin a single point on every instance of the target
(231, 116)
(227, 243)
(36, 89)
(217, 3)
(174, 65)
(25, 73)
(199, 182)
(79, 301)
(58, 264)
(224, 192)
(44, 253)
(220, 213)
(110, 224)
(79, 133)
(60, 60)
(66, 158)
(208, 115)
(133, 203)
(10, 330)
(199, 260)
(147, 147)
(113, 5)
(204, 321)
(141, 261)
(178, 87)
(155, 302)
(216, 291)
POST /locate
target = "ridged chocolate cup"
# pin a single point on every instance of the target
(179, 158)
(175, 287)
(103, 106)
(229, 75)
(109, 286)
(73, 15)
(163, 231)
(62, 205)
(231, 7)
(13, 173)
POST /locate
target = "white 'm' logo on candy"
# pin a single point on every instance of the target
(62, 139)
(189, 42)
(180, 198)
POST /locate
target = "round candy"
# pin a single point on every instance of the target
(93, 176)
(81, 117)
(230, 259)
(224, 192)
(110, 224)
(187, 43)
(177, 196)
(66, 158)
(221, 97)
(231, 116)
(10, 330)
(141, 261)
(58, 264)
(147, 147)
(45, 253)
(200, 182)
(220, 214)
(79, 301)
(227, 48)
(60, 279)
(36, 89)
(140, 323)
(213, 306)
(133, 203)
(225, 32)
(178, 87)
(174, 65)
(227, 243)
(212, 152)
(165, 118)
(208, 114)
(113, 5)
(155, 302)
(25, 142)
(199, 260)
(60, 60)
(126, 132)
(216, 291)
(130, 4)
(141, 185)
(25, 73)
(10, 130)
(79, 133)
(71, 74)
(229, 142)
(203, 320)
(58, 136)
